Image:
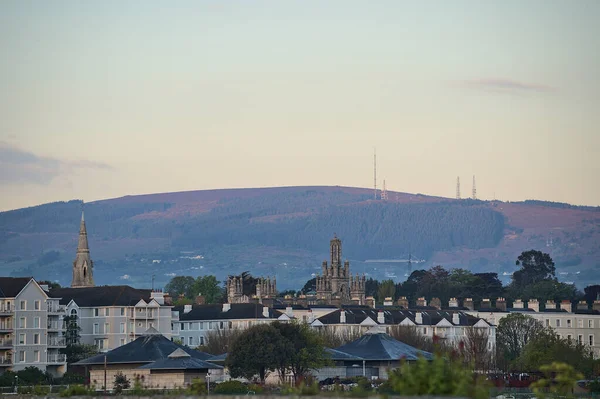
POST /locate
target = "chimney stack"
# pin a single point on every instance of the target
(388, 301)
(418, 318)
(534, 305)
(436, 303)
(421, 302)
(551, 305)
(289, 311)
(187, 308)
(403, 302)
(370, 301)
(380, 317)
(158, 296)
(486, 303)
(468, 303)
(311, 316)
(501, 304)
(226, 307)
(566, 305)
(582, 305)
(342, 316)
(453, 303)
(456, 318)
(200, 300)
(265, 312)
(596, 305)
(518, 304)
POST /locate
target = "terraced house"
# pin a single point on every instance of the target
(31, 327)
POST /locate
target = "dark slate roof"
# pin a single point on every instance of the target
(145, 349)
(107, 295)
(382, 347)
(180, 360)
(215, 312)
(11, 286)
(396, 316)
(338, 355)
(219, 358)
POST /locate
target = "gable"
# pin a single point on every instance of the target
(284, 317)
(141, 303)
(32, 291)
(444, 323)
(317, 323)
(407, 322)
(368, 322)
(481, 323)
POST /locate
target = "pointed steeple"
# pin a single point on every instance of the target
(83, 267)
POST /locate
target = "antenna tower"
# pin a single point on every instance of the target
(458, 188)
(474, 189)
(374, 173)
(409, 262)
(384, 195)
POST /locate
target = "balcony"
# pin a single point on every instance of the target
(56, 358)
(143, 314)
(6, 310)
(56, 309)
(5, 361)
(6, 327)
(6, 344)
(57, 342)
(56, 326)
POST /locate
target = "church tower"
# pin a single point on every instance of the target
(83, 267)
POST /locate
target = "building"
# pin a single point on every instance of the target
(31, 327)
(265, 288)
(198, 322)
(83, 267)
(579, 323)
(336, 284)
(111, 316)
(151, 359)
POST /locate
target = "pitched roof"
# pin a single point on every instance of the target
(382, 347)
(338, 355)
(180, 360)
(11, 286)
(107, 295)
(396, 316)
(145, 349)
(236, 311)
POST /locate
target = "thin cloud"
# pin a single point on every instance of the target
(507, 85)
(19, 166)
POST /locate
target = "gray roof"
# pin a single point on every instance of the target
(338, 355)
(180, 360)
(382, 347)
(11, 286)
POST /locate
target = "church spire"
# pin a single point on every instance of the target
(83, 267)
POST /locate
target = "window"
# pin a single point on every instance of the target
(201, 325)
(150, 325)
(107, 312)
(211, 325)
(580, 323)
(22, 323)
(22, 356)
(122, 311)
(191, 341)
(201, 340)
(122, 341)
(36, 305)
(73, 312)
(96, 329)
(131, 326)
(36, 322)
(558, 323)
(96, 312)
(569, 337)
(36, 356)
(220, 325)
(580, 339)
(591, 340)
(100, 344)
(181, 326)
(122, 328)
(590, 323)
(23, 305)
(21, 339)
(547, 322)
(568, 323)
(36, 339)
(106, 328)
(424, 330)
(139, 324)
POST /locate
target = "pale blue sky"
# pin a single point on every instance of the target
(109, 98)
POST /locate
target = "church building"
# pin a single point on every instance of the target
(337, 283)
(83, 267)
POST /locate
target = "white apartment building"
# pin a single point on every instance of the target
(31, 327)
(111, 316)
(578, 323)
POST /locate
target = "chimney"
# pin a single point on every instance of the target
(456, 318)
(380, 317)
(486, 303)
(226, 307)
(265, 312)
(596, 305)
(468, 303)
(418, 318)
(518, 304)
(200, 300)
(403, 302)
(534, 305)
(370, 301)
(453, 303)
(289, 311)
(388, 301)
(311, 316)
(501, 304)
(187, 308)
(436, 303)
(566, 305)
(342, 316)
(582, 305)
(422, 302)
(158, 296)
(551, 305)
(168, 300)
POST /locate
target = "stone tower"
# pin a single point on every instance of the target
(83, 267)
(336, 280)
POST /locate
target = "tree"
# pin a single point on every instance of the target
(121, 382)
(258, 350)
(536, 266)
(592, 293)
(559, 379)
(387, 289)
(72, 330)
(220, 341)
(513, 333)
(207, 286)
(474, 349)
(77, 352)
(310, 286)
(181, 285)
(308, 352)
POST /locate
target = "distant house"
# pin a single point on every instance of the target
(154, 360)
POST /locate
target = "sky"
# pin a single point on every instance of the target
(100, 99)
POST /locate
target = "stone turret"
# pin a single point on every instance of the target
(83, 267)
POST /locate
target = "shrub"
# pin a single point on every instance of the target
(41, 390)
(231, 387)
(75, 390)
(256, 388)
(198, 387)
(121, 382)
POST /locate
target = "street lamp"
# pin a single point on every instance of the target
(207, 382)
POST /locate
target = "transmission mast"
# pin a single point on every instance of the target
(474, 189)
(458, 187)
(374, 173)
(384, 194)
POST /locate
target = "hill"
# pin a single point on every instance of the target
(285, 232)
